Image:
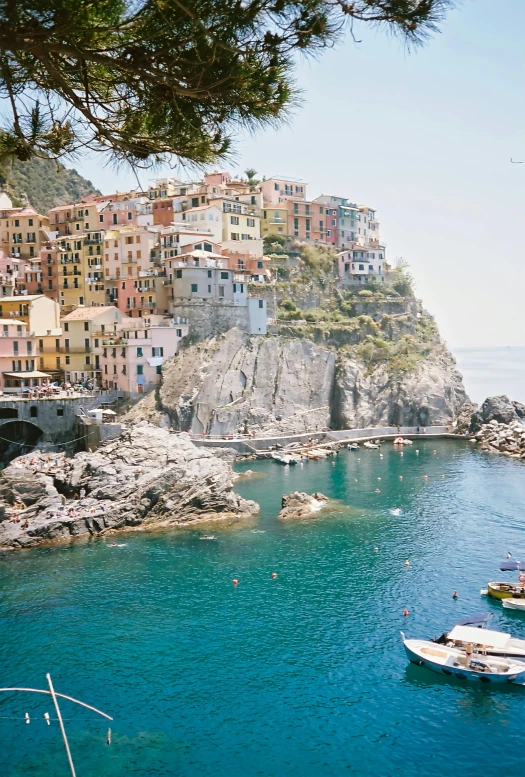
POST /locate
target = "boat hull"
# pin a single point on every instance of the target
(506, 591)
(514, 604)
(415, 656)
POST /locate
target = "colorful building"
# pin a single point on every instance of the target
(81, 341)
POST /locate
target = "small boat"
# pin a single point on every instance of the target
(402, 441)
(353, 446)
(371, 445)
(506, 590)
(457, 663)
(514, 604)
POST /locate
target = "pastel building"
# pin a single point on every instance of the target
(22, 230)
(18, 348)
(277, 190)
(83, 330)
(361, 265)
(132, 357)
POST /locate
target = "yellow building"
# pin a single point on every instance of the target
(240, 221)
(81, 341)
(22, 231)
(42, 316)
(274, 220)
(80, 275)
(74, 220)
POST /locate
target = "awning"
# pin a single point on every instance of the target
(23, 375)
(496, 639)
(108, 412)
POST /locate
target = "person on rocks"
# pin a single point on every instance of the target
(82, 493)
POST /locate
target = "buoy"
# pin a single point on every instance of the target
(405, 611)
(235, 581)
(417, 452)
(356, 480)
(434, 451)
(379, 478)
(407, 563)
(376, 550)
(378, 491)
(508, 555)
(425, 477)
(401, 454)
(401, 477)
(333, 463)
(274, 575)
(455, 595)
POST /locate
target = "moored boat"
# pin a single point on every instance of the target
(463, 665)
(514, 604)
(353, 446)
(484, 642)
(509, 590)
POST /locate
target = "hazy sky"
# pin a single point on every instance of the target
(426, 138)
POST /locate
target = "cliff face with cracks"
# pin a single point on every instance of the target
(283, 384)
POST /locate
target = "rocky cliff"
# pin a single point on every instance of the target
(148, 478)
(286, 384)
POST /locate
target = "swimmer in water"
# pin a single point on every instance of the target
(396, 511)
(208, 537)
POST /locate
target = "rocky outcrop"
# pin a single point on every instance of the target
(499, 409)
(300, 505)
(503, 438)
(283, 385)
(149, 477)
(430, 393)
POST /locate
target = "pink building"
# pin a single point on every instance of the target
(17, 356)
(132, 358)
(359, 264)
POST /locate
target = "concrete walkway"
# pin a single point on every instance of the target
(260, 445)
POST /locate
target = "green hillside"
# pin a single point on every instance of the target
(43, 183)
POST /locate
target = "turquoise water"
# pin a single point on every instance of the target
(491, 371)
(303, 675)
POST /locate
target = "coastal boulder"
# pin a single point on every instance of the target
(298, 504)
(499, 409)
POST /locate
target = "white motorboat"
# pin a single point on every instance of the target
(353, 446)
(371, 445)
(514, 604)
(464, 666)
(285, 458)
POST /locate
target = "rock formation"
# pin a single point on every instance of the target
(149, 477)
(499, 409)
(237, 383)
(300, 505)
(503, 438)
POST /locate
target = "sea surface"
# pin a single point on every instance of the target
(488, 372)
(303, 675)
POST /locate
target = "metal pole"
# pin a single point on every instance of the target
(61, 722)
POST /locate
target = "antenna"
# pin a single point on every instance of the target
(54, 696)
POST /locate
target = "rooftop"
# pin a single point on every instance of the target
(24, 297)
(87, 313)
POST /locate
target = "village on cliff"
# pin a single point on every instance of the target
(103, 291)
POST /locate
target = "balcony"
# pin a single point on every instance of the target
(63, 349)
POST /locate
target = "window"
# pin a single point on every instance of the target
(209, 274)
(296, 207)
(276, 187)
(86, 343)
(250, 222)
(224, 276)
(15, 348)
(101, 218)
(296, 224)
(140, 369)
(88, 360)
(158, 369)
(307, 225)
(307, 210)
(194, 288)
(194, 202)
(261, 303)
(178, 273)
(371, 267)
(34, 411)
(234, 220)
(321, 211)
(235, 235)
(209, 288)
(68, 359)
(179, 333)
(130, 215)
(361, 267)
(60, 410)
(86, 326)
(139, 351)
(260, 265)
(221, 291)
(157, 351)
(29, 348)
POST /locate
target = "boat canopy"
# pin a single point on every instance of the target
(495, 639)
(474, 620)
(512, 566)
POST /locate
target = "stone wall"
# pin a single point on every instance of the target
(207, 320)
(56, 418)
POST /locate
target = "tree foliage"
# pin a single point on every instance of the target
(149, 79)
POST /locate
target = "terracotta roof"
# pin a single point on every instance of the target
(87, 313)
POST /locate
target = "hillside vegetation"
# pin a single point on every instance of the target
(43, 183)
